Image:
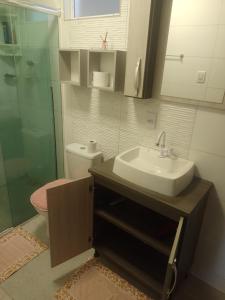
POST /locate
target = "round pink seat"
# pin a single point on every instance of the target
(39, 197)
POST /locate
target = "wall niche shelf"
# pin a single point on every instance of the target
(10, 49)
(10, 35)
(73, 66)
(110, 61)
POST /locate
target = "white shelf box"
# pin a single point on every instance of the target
(110, 61)
(10, 46)
(72, 66)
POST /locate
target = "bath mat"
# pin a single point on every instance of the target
(93, 281)
(4, 296)
(17, 248)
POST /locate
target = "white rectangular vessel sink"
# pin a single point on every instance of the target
(144, 167)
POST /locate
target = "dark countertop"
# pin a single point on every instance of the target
(174, 207)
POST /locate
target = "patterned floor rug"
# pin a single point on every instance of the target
(17, 248)
(93, 281)
(4, 296)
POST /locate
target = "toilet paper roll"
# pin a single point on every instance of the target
(92, 145)
(101, 79)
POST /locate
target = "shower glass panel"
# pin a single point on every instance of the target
(27, 132)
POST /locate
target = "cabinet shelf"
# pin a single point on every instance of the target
(71, 82)
(139, 261)
(111, 62)
(8, 16)
(8, 45)
(10, 49)
(72, 66)
(142, 224)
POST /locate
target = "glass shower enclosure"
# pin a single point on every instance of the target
(28, 135)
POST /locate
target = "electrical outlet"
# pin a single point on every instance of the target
(151, 119)
(201, 76)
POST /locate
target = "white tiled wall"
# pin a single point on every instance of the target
(85, 32)
(118, 122)
(197, 31)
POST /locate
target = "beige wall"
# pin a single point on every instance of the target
(118, 122)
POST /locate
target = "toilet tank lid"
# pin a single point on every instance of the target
(81, 150)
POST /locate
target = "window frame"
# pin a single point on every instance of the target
(69, 12)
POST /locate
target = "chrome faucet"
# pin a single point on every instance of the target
(161, 142)
(162, 136)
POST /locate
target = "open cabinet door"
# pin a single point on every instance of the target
(70, 210)
(171, 273)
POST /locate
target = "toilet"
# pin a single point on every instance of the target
(78, 161)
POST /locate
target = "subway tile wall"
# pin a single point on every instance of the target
(118, 123)
(85, 33)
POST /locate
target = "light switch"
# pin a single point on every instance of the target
(201, 76)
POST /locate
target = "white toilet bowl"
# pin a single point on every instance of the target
(79, 160)
(39, 198)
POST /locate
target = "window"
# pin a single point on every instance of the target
(90, 8)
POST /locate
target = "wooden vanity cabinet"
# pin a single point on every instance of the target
(146, 237)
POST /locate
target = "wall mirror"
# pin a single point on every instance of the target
(192, 52)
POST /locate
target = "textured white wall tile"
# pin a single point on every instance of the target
(128, 140)
(135, 115)
(92, 110)
(67, 132)
(178, 122)
(85, 32)
(109, 140)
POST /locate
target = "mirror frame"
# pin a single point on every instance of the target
(160, 62)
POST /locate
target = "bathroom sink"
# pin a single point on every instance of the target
(144, 167)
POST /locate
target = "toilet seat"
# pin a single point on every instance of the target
(39, 198)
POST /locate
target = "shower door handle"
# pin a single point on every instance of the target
(11, 76)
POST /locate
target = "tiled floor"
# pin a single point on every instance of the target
(194, 289)
(38, 281)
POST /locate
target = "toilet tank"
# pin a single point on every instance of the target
(79, 160)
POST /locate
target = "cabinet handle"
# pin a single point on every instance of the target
(137, 76)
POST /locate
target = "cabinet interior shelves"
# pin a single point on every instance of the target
(133, 238)
(9, 45)
(8, 16)
(129, 223)
(72, 66)
(109, 61)
(10, 49)
(77, 66)
(137, 259)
